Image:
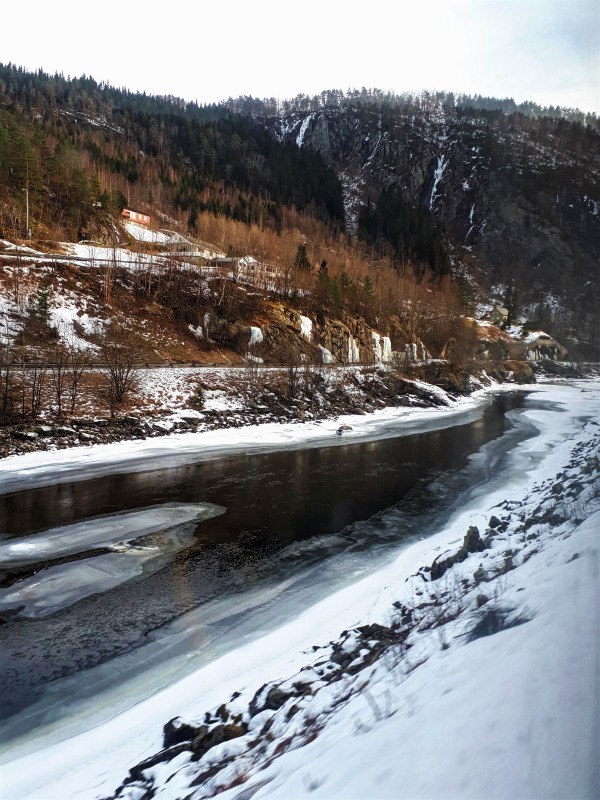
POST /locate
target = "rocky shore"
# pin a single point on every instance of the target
(251, 401)
(286, 396)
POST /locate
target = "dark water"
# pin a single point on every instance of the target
(287, 512)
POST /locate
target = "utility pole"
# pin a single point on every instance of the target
(27, 210)
(27, 228)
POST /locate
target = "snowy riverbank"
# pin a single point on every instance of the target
(40, 468)
(416, 698)
(203, 399)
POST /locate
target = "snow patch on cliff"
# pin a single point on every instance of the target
(442, 163)
(302, 131)
(256, 336)
(306, 327)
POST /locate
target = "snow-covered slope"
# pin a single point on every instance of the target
(484, 681)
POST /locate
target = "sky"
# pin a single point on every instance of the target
(547, 51)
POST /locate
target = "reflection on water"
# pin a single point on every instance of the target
(288, 512)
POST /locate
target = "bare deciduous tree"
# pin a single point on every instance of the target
(30, 388)
(74, 375)
(121, 356)
(60, 367)
(36, 381)
(293, 363)
(8, 386)
(67, 370)
(313, 375)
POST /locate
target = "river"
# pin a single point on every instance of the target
(290, 526)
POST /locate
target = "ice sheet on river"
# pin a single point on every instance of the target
(61, 586)
(164, 531)
(102, 532)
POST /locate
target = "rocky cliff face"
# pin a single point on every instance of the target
(518, 198)
(288, 336)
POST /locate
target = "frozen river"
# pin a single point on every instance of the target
(113, 587)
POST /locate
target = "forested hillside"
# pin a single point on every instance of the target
(501, 200)
(79, 146)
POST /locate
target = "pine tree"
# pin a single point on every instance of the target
(301, 260)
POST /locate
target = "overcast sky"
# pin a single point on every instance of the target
(542, 50)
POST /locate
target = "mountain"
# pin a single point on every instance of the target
(510, 199)
(500, 199)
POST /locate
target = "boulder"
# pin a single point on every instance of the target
(176, 731)
(217, 735)
(471, 544)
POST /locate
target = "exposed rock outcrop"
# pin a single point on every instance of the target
(471, 544)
